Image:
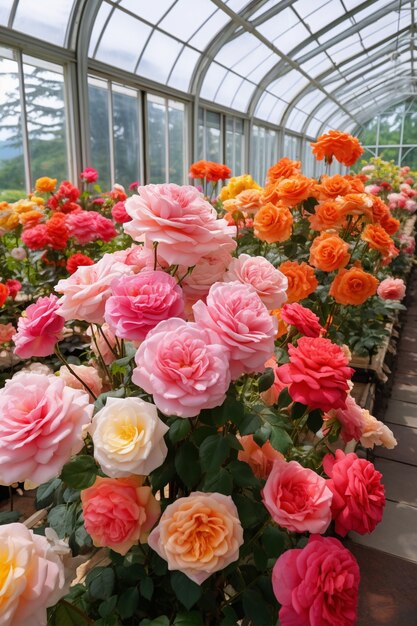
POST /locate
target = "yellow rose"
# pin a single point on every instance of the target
(45, 184)
(236, 185)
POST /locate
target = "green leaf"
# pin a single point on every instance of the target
(100, 582)
(71, 495)
(298, 410)
(80, 541)
(65, 614)
(274, 541)
(255, 608)
(315, 420)
(290, 249)
(45, 493)
(108, 606)
(249, 423)
(146, 588)
(187, 591)
(284, 399)
(179, 430)
(213, 452)
(230, 617)
(242, 474)
(62, 519)
(8, 517)
(80, 472)
(111, 620)
(262, 435)
(218, 481)
(102, 398)
(251, 513)
(187, 464)
(231, 410)
(128, 602)
(159, 621)
(266, 380)
(201, 433)
(162, 475)
(280, 439)
(260, 557)
(309, 204)
(188, 619)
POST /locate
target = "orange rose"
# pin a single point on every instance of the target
(31, 218)
(345, 148)
(282, 326)
(209, 170)
(4, 292)
(356, 183)
(390, 224)
(353, 286)
(259, 458)
(357, 204)
(301, 280)
(332, 186)
(284, 168)
(327, 215)
(45, 184)
(249, 200)
(379, 209)
(329, 252)
(292, 191)
(273, 223)
(377, 238)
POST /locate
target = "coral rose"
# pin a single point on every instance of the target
(89, 175)
(375, 433)
(329, 252)
(292, 191)
(301, 280)
(76, 260)
(331, 187)
(45, 184)
(33, 576)
(41, 423)
(139, 302)
(88, 374)
(353, 286)
(40, 328)
(273, 223)
(35, 238)
(350, 418)
(358, 494)
(184, 366)
(342, 146)
(304, 320)
(391, 289)
(282, 326)
(179, 220)
(119, 513)
(237, 315)
(4, 293)
(317, 585)
(128, 437)
(119, 213)
(269, 283)
(297, 498)
(6, 332)
(317, 373)
(284, 168)
(259, 458)
(198, 535)
(326, 215)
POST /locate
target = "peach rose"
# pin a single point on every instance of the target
(375, 433)
(391, 289)
(273, 223)
(292, 191)
(6, 332)
(198, 535)
(32, 576)
(301, 280)
(284, 168)
(331, 187)
(259, 458)
(329, 252)
(353, 286)
(282, 326)
(103, 343)
(327, 215)
(270, 396)
(87, 373)
(249, 200)
(269, 283)
(345, 148)
(119, 512)
(356, 204)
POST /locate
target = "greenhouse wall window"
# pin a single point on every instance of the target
(235, 145)
(264, 151)
(210, 141)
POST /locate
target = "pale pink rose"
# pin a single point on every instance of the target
(184, 367)
(40, 329)
(209, 270)
(128, 437)
(297, 498)
(6, 332)
(85, 292)
(198, 535)
(269, 283)
(375, 433)
(41, 423)
(139, 258)
(259, 458)
(139, 302)
(368, 168)
(373, 189)
(235, 311)
(103, 343)
(410, 206)
(391, 289)
(118, 512)
(270, 396)
(18, 254)
(32, 577)
(87, 373)
(408, 243)
(180, 220)
(350, 418)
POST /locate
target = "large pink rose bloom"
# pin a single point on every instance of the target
(391, 289)
(358, 494)
(242, 321)
(139, 302)
(297, 498)
(317, 585)
(184, 367)
(118, 512)
(40, 329)
(41, 423)
(270, 284)
(209, 270)
(85, 292)
(317, 373)
(304, 320)
(350, 418)
(32, 577)
(180, 220)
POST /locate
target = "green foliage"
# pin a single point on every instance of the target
(80, 472)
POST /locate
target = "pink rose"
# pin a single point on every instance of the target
(89, 175)
(85, 292)
(358, 495)
(236, 313)
(6, 332)
(184, 367)
(391, 289)
(87, 373)
(119, 213)
(317, 373)
(269, 283)
(209, 270)
(373, 189)
(14, 287)
(259, 458)
(139, 302)
(198, 535)
(103, 343)
(88, 226)
(297, 498)
(40, 329)
(41, 423)
(118, 512)
(304, 320)
(33, 576)
(408, 243)
(350, 419)
(317, 585)
(184, 225)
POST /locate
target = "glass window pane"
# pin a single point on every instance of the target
(209, 30)
(183, 69)
(265, 105)
(242, 96)
(122, 41)
(157, 144)
(48, 20)
(12, 173)
(212, 80)
(45, 112)
(389, 128)
(99, 130)
(5, 7)
(176, 22)
(159, 56)
(389, 154)
(410, 127)
(149, 11)
(126, 135)
(176, 129)
(99, 22)
(280, 22)
(410, 158)
(228, 89)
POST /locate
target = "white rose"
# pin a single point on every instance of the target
(128, 437)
